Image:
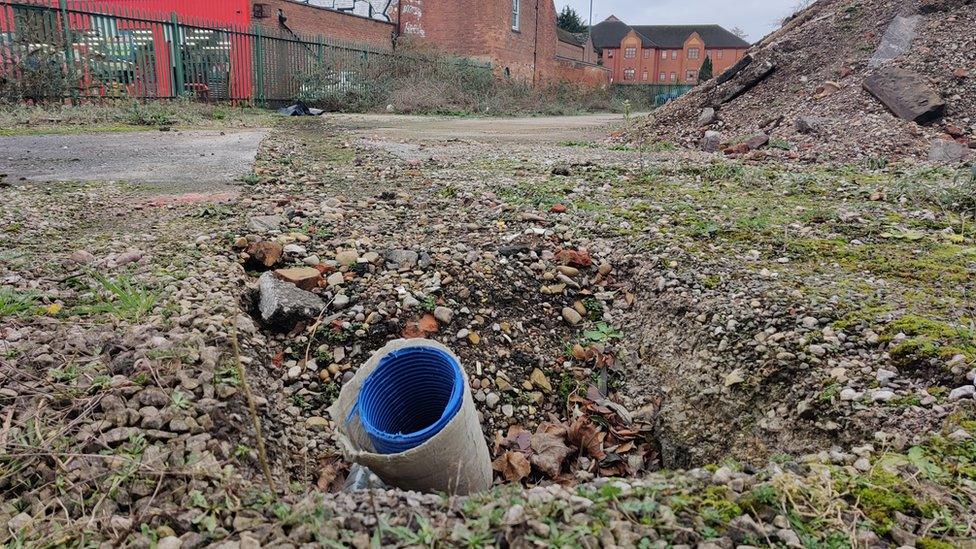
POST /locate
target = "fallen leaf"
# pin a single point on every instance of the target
(585, 436)
(550, 450)
(514, 466)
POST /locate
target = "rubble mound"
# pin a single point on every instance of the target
(842, 80)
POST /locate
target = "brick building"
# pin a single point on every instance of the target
(664, 54)
(518, 37)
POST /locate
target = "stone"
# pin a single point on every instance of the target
(128, 257)
(882, 395)
(571, 316)
(757, 142)
(169, 542)
(404, 259)
(712, 141)
(897, 39)
(306, 278)
(82, 257)
(947, 151)
(734, 378)
(906, 94)
(884, 376)
(317, 423)
(959, 393)
(961, 73)
(539, 380)
(265, 223)
(807, 124)
(340, 301)
(283, 304)
(346, 258)
(266, 253)
(295, 249)
(491, 400)
(706, 117)
(335, 279)
(443, 315)
(19, 522)
(508, 410)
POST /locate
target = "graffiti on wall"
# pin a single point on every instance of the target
(384, 10)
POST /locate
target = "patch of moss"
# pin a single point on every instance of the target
(880, 495)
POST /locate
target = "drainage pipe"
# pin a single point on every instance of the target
(408, 416)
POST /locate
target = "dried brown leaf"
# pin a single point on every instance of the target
(585, 436)
(549, 449)
(513, 466)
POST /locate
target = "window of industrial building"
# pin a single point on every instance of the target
(690, 76)
(693, 53)
(629, 74)
(647, 54)
(663, 77)
(674, 54)
(630, 53)
(664, 54)
(674, 77)
(516, 14)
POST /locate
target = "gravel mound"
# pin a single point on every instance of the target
(803, 91)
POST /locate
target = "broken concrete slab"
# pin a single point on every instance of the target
(754, 73)
(896, 41)
(947, 151)
(283, 304)
(906, 94)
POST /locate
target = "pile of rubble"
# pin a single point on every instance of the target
(843, 80)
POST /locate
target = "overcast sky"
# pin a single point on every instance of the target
(756, 17)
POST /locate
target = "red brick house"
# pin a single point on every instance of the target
(664, 54)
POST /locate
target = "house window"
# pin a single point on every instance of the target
(674, 54)
(516, 14)
(647, 54)
(629, 74)
(690, 76)
(630, 53)
(693, 53)
(674, 77)
(644, 76)
(664, 54)
(721, 54)
(610, 54)
(663, 77)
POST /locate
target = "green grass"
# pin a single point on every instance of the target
(121, 297)
(14, 303)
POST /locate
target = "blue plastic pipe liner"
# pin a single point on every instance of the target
(411, 396)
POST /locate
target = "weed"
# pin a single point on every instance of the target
(14, 303)
(602, 333)
(121, 297)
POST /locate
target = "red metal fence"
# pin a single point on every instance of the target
(108, 49)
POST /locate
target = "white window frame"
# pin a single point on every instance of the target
(630, 75)
(664, 77)
(664, 54)
(674, 54)
(695, 51)
(630, 53)
(517, 15)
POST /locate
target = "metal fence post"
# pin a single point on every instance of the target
(177, 57)
(259, 65)
(69, 49)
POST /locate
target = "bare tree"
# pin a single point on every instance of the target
(739, 32)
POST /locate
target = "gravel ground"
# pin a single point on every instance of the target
(715, 353)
